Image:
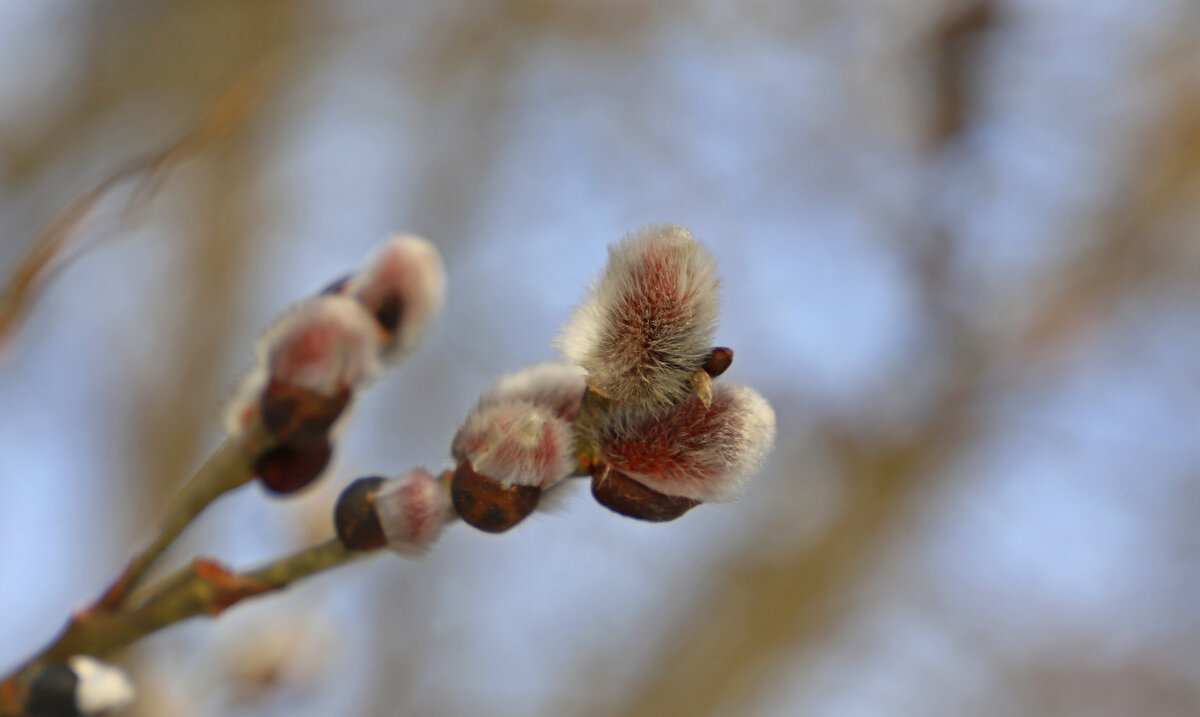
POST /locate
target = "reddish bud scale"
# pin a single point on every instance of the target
(487, 504)
(719, 361)
(621, 494)
(691, 450)
(286, 469)
(299, 416)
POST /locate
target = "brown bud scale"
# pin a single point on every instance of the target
(300, 416)
(390, 312)
(286, 468)
(621, 494)
(355, 518)
(487, 504)
(718, 361)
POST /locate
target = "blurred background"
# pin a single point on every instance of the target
(960, 251)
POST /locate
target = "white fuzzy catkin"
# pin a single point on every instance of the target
(412, 509)
(406, 269)
(647, 324)
(323, 345)
(691, 451)
(101, 688)
(516, 443)
(556, 386)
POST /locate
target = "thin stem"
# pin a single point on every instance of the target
(227, 468)
(310, 561)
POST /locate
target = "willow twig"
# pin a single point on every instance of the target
(203, 587)
(228, 468)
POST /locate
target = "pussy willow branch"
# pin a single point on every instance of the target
(111, 622)
(204, 587)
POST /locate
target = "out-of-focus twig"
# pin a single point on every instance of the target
(755, 613)
(1127, 254)
(51, 251)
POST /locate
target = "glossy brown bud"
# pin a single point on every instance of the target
(487, 504)
(623, 495)
(286, 468)
(718, 361)
(355, 517)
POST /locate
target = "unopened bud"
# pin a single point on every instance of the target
(355, 517)
(647, 324)
(487, 504)
(406, 513)
(718, 362)
(692, 451)
(402, 288)
(82, 686)
(516, 443)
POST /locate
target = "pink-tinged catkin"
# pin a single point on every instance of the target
(691, 451)
(324, 345)
(402, 286)
(647, 324)
(516, 443)
(558, 387)
(412, 510)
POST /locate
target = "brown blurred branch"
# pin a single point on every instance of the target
(755, 613)
(1129, 253)
(48, 254)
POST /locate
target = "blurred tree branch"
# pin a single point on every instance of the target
(49, 253)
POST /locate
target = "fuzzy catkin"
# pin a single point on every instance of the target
(403, 286)
(691, 451)
(323, 345)
(412, 510)
(558, 387)
(516, 443)
(647, 324)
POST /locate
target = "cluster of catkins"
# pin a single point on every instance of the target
(636, 408)
(316, 356)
